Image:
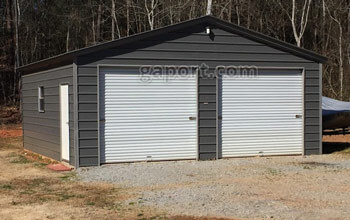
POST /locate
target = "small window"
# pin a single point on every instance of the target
(41, 99)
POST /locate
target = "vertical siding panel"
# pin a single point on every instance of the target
(313, 99)
(88, 146)
(206, 111)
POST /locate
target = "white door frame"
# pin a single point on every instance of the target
(219, 96)
(64, 121)
(137, 66)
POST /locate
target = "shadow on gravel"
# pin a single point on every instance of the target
(317, 164)
(332, 147)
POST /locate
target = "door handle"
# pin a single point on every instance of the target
(298, 116)
(192, 118)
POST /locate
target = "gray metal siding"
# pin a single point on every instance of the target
(191, 47)
(41, 131)
(87, 116)
(207, 112)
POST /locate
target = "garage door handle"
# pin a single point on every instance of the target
(298, 116)
(192, 118)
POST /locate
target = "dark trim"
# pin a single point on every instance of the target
(75, 115)
(67, 58)
(207, 149)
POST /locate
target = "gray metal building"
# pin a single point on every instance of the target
(90, 106)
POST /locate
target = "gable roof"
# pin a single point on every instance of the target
(68, 58)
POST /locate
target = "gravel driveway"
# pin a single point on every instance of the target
(312, 187)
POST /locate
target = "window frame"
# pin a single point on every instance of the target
(41, 99)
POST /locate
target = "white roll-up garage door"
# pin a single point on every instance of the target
(143, 121)
(262, 115)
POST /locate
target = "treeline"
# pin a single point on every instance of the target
(36, 29)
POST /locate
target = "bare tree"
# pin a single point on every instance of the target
(127, 17)
(98, 25)
(150, 12)
(17, 62)
(67, 39)
(298, 32)
(113, 19)
(237, 9)
(338, 21)
(209, 7)
(17, 21)
(348, 37)
(226, 7)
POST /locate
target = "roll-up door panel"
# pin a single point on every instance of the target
(147, 120)
(262, 115)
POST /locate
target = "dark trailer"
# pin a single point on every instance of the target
(89, 107)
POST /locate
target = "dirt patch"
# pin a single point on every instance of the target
(336, 138)
(10, 133)
(10, 130)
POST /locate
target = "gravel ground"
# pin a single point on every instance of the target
(312, 187)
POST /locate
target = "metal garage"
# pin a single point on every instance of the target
(112, 115)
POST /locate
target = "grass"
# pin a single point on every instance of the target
(273, 172)
(12, 154)
(306, 167)
(68, 176)
(46, 189)
(21, 160)
(10, 143)
(7, 186)
(40, 165)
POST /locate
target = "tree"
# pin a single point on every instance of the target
(150, 10)
(209, 6)
(298, 30)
